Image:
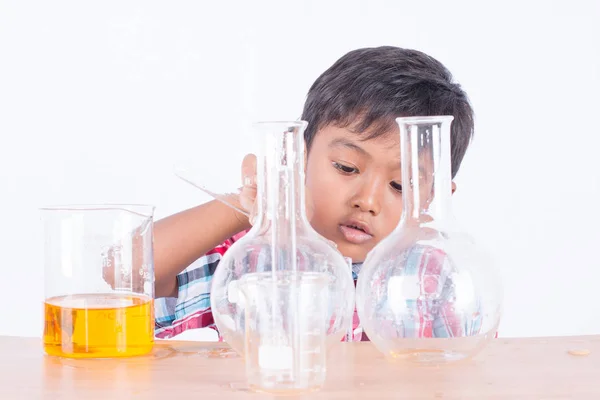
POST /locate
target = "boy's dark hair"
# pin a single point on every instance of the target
(371, 87)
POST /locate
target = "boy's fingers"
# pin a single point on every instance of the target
(253, 213)
(247, 197)
(248, 191)
(249, 170)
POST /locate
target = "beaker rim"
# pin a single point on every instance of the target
(138, 208)
(426, 118)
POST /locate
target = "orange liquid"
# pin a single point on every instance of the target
(98, 325)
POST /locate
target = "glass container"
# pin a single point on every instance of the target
(285, 330)
(99, 281)
(427, 293)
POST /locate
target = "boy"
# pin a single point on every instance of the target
(353, 176)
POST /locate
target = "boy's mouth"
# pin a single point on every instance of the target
(356, 232)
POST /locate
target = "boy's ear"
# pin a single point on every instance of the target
(453, 187)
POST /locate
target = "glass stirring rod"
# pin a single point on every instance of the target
(185, 175)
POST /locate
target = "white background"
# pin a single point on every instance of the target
(98, 100)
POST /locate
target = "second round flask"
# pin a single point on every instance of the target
(428, 293)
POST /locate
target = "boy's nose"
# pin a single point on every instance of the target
(368, 199)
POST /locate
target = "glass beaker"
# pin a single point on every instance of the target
(99, 280)
(281, 238)
(285, 330)
(427, 293)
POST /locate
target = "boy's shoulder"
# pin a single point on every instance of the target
(204, 267)
(223, 247)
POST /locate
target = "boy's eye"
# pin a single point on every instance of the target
(345, 168)
(396, 186)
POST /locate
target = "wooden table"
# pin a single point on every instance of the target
(539, 368)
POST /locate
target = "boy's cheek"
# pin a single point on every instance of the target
(322, 214)
(323, 192)
(310, 205)
(316, 207)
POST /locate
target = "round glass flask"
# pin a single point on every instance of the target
(281, 239)
(427, 293)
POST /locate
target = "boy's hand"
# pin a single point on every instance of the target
(247, 197)
(248, 190)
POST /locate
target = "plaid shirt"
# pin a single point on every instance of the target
(191, 309)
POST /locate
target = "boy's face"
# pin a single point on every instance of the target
(354, 188)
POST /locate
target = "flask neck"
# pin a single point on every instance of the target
(426, 171)
(280, 187)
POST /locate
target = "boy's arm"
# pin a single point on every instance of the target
(182, 238)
